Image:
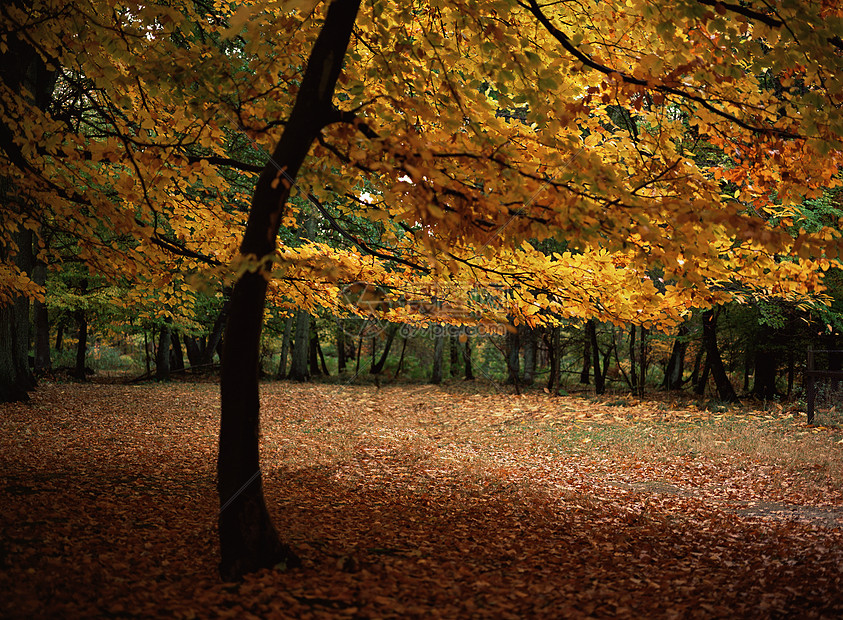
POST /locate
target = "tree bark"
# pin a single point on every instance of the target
(513, 354)
(676, 364)
(285, 348)
(79, 371)
(194, 350)
(633, 373)
(341, 356)
(215, 337)
(553, 340)
(313, 351)
(466, 352)
(725, 391)
(248, 538)
(438, 354)
(529, 355)
(377, 368)
(586, 357)
(43, 364)
(162, 357)
(599, 378)
(176, 352)
(299, 362)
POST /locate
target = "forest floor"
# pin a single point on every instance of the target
(419, 501)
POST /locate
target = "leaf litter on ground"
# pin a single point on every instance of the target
(419, 501)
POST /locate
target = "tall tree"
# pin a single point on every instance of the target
(248, 538)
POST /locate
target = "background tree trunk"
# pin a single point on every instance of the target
(299, 363)
(676, 364)
(285, 348)
(725, 390)
(599, 379)
(438, 354)
(43, 364)
(377, 368)
(530, 356)
(586, 357)
(513, 354)
(466, 353)
(162, 357)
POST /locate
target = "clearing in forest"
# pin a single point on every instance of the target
(420, 501)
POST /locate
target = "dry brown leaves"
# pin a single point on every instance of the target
(416, 502)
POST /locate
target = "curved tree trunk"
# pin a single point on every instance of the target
(248, 538)
(725, 391)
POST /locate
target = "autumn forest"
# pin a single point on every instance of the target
(464, 308)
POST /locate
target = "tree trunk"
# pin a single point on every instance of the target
(341, 357)
(299, 364)
(586, 357)
(513, 354)
(377, 368)
(12, 388)
(285, 348)
(194, 350)
(215, 338)
(466, 353)
(599, 378)
(176, 352)
(529, 355)
(676, 364)
(79, 371)
(162, 357)
(60, 335)
(313, 351)
(766, 364)
(248, 538)
(633, 373)
(643, 347)
(555, 355)
(725, 390)
(401, 358)
(43, 363)
(438, 354)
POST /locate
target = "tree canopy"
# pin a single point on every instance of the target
(512, 162)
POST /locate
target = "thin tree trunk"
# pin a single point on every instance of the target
(529, 355)
(676, 364)
(438, 354)
(321, 357)
(555, 355)
(642, 360)
(401, 358)
(313, 351)
(513, 354)
(377, 368)
(725, 390)
(162, 357)
(248, 538)
(79, 371)
(599, 379)
(60, 335)
(285, 348)
(633, 373)
(466, 353)
(341, 357)
(586, 357)
(215, 338)
(177, 353)
(43, 363)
